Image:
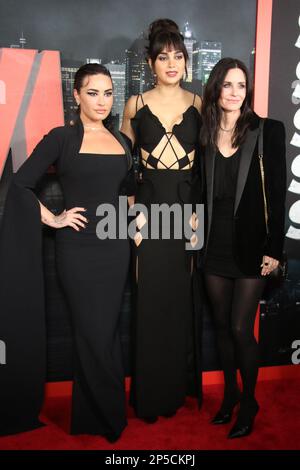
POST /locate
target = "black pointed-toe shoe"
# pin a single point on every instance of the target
(170, 414)
(112, 437)
(240, 431)
(222, 418)
(245, 421)
(224, 415)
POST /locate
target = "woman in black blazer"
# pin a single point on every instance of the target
(239, 253)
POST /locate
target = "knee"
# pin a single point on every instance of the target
(242, 334)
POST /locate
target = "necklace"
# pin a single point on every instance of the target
(227, 130)
(93, 128)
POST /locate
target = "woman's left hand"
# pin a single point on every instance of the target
(268, 265)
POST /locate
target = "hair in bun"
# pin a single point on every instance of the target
(162, 25)
(164, 33)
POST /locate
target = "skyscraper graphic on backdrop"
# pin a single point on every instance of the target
(68, 71)
(139, 77)
(205, 56)
(189, 42)
(117, 71)
(135, 76)
(91, 60)
(22, 43)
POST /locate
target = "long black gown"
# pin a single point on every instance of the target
(166, 347)
(92, 273)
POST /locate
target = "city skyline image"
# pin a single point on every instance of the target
(133, 76)
(115, 35)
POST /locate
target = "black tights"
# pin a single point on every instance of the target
(234, 303)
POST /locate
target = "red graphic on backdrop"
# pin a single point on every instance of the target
(30, 100)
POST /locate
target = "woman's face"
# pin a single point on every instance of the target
(169, 66)
(233, 91)
(95, 97)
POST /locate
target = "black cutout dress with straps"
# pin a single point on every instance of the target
(166, 328)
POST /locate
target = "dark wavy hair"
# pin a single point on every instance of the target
(164, 33)
(86, 71)
(211, 110)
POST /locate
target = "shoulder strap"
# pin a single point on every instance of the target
(137, 102)
(261, 166)
(261, 137)
(194, 98)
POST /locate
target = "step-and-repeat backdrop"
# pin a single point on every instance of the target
(40, 53)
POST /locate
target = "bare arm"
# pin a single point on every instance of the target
(129, 113)
(198, 103)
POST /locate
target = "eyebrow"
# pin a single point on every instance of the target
(166, 53)
(227, 81)
(95, 89)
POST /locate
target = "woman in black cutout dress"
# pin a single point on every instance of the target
(92, 271)
(239, 252)
(166, 356)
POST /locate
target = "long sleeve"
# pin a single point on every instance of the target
(275, 174)
(22, 307)
(45, 154)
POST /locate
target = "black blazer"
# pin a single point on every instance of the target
(249, 229)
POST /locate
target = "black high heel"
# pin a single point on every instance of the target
(224, 417)
(245, 420)
(170, 414)
(112, 437)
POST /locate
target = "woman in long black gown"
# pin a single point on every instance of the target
(93, 164)
(164, 124)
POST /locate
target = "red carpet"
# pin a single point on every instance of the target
(277, 426)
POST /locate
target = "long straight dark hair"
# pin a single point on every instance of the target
(211, 110)
(87, 70)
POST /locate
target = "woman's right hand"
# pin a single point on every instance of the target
(70, 218)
